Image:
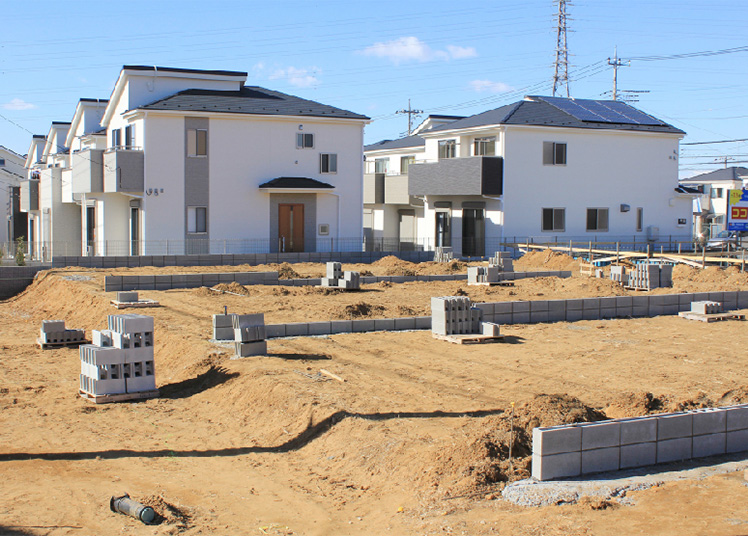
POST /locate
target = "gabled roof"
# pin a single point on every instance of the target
(402, 143)
(733, 173)
(294, 183)
(558, 112)
(249, 100)
(155, 68)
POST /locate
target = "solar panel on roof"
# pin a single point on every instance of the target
(602, 111)
(632, 113)
(572, 108)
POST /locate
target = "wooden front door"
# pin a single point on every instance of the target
(290, 227)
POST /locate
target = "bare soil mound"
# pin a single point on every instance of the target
(634, 405)
(395, 266)
(547, 259)
(286, 271)
(233, 287)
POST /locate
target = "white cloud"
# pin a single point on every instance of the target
(486, 85)
(411, 48)
(19, 104)
(297, 77)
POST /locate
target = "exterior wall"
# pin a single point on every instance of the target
(604, 170)
(493, 218)
(112, 223)
(15, 164)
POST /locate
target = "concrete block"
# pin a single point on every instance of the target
(730, 300)
(406, 323)
(209, 280)
(147, 282)
(574, 315)
(638, 455)
(638, 430)
(737, 417)
(223, 321)
(520, 307)
(487, 309)
(341, 326)
(490, 329)
(556, 310)
(671, 426)
(672, 450)
(709, 421)
(223, 334)
(685, 299)
(193, 280)
(656, 310)
(250, 334)
(736, 441)
(670, 299)
(226, 278)
(297, 329)
(538, 316)
(136, 384)
(384, 324)
(502, 307)
(556, 465)
(362, 326)
(717, 296)
(246, 349)
(609, 302)
(101, 338)
(423, 322)
(601, 435)
(556, 440)
(743, 299)
(275, 330)
(709, 445)
(575, 304)
(245, 321)
(127, 296)
(538, 306)
(52, 326)
(130, 323)
(600, 460)
(319, 328)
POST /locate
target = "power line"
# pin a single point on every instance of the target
(692, 54)
(714, 142)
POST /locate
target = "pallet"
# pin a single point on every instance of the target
(47, 345)
(714, 317)
(468, 338)
(507, 283)
(643, 289)
(139, 303)
(108, 399)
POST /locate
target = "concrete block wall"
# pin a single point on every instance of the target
(15, 279)
(574, 450)
(331, 327)
(54, 332)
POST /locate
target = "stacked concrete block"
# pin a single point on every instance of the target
(649, 276)
(618, 274)
(482, 275)
(121, 359)
(455, 315)
(443, 254)
(502, 260)
(337, 278)
(578, 449)
(54, 332)
(249, 335)
(706, 307)
(127, 297)
(223, 327)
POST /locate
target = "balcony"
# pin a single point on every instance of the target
(29, 195)
(88, 171)
(123, 171)
(475, 175)
(388, 189)
(373, 188)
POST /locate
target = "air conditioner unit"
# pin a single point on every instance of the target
(653, 233)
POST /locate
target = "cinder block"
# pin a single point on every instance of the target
(406, 323)
(730, 300)
(147, 282)
(638, 430)
(361, 326)
(297, 329)
(246, 349)
(273, 331)
(737, 417)
(423, 322)
(53, 326)
(556, 310)
(223, 334)
(101, 338)
(672, 450)
(384, 324)
(486, 308)
(502, 307)
(210, 280)
(709, 421)
(538, 306)
(717, 296)
(601, 435)
(319, 328)
(556, 440)
(193, 280)
(341, 326)
(556, 465)
(538, 316)
(136, 384)
(520, 307)
(709, 445)
(685, 299)
(743, 299)
(700, 296)
(223, 321)
(600, 460)
(490, 329)
(674, 426)
(250, 334)
(638, 455)
(736, 441)
(127, 296)
(573, 315)
(245, 321)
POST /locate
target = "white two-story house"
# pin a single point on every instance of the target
(542, 169)
(710, 205)
(12, 172)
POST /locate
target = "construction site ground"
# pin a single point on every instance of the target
(415, 440)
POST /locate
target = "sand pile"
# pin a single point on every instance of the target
(546, 260)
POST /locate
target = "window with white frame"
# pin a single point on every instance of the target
(304, 141)
(381, 165)
(129, 136)
(197, 142)
(597, 219)
(484, 146)
(116, 137)
(447, 149)
(328, 163)
(716, 193)
(197, 220)
(554, 219)
(554, 153)
(405, 162)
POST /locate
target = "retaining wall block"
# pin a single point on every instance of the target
(671, 426)
(182, 260)
(275, 330)
(361, 326)
(193, 280)
(591, 308)
(209, 280)
(270, 277)
(114, 280)
(320, 328)
(502, 307)
(242, 278)
(672, 450)
(170, 260)
(709, 421)
(297, 329)
(423, 322)
(223, 321)
(538, 306)
(147, 282)
(737, 417)
(130, 282)
(341, 326)
(638, 430)
(539, 316)
(730, 300)
(163, 282)
(736, 441)
(716, 296)
(223, 334)
(743, 299)
(520, 307)
(178, 281)
(226, 260)
(709, 445)
(248, 320)
(226, 278)
(503, 318)
(700, 296)
(600, 460)
(686, 299)
(557, 439)
(487, 309)
(557, 465)
(602, 435)
(638, 455)
(247, 349)
(406, 323)
(384, 324)
(157, 261)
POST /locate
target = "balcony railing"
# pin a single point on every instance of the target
(88, 171)
(123, 170)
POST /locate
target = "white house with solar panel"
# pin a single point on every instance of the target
(544, 169)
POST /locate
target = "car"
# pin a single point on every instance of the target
(727, 241)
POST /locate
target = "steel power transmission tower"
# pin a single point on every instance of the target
(411, 114)
(561, 65)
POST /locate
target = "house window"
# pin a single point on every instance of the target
(484, 146)
(554, 154)
(2, 162)
(381, 165)
(197, 219)
(304, 141)
(197, 142)
(405, 162)
(716, 193)
(597, 219)
(639, 219)
(116, 137)
(447, 149)
(554, 219)
(328, 163)
(128, 136)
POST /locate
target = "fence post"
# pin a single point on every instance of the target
(589, 259)
(703, 257)
(618, 251)
(679, 245)
(571, 249)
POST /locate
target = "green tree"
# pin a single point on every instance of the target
(20, 252)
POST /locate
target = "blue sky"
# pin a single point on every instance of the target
(456, 58)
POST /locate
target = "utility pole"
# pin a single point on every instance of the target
(561, 65)
(616, 62)
(411, 114)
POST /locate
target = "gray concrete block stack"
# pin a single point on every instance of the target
(706, 307)
(54, 332)
(503, 261)
(650, 275)
(578, 449)
(482, 275)
(337, 278)
(249, 335)
(223, 327)
(443, 254)
(120, 360)
(127, 297)
(618, 274)
(455, 315)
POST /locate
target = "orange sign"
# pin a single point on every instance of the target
(739, 213)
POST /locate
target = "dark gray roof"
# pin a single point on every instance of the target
(535, 111)
(248, 100)
(178, 70)
(295, 182)
(687, 190)
(102, 101)
(732, 173)
(410, 141)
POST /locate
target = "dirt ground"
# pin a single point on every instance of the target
(414, 441)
